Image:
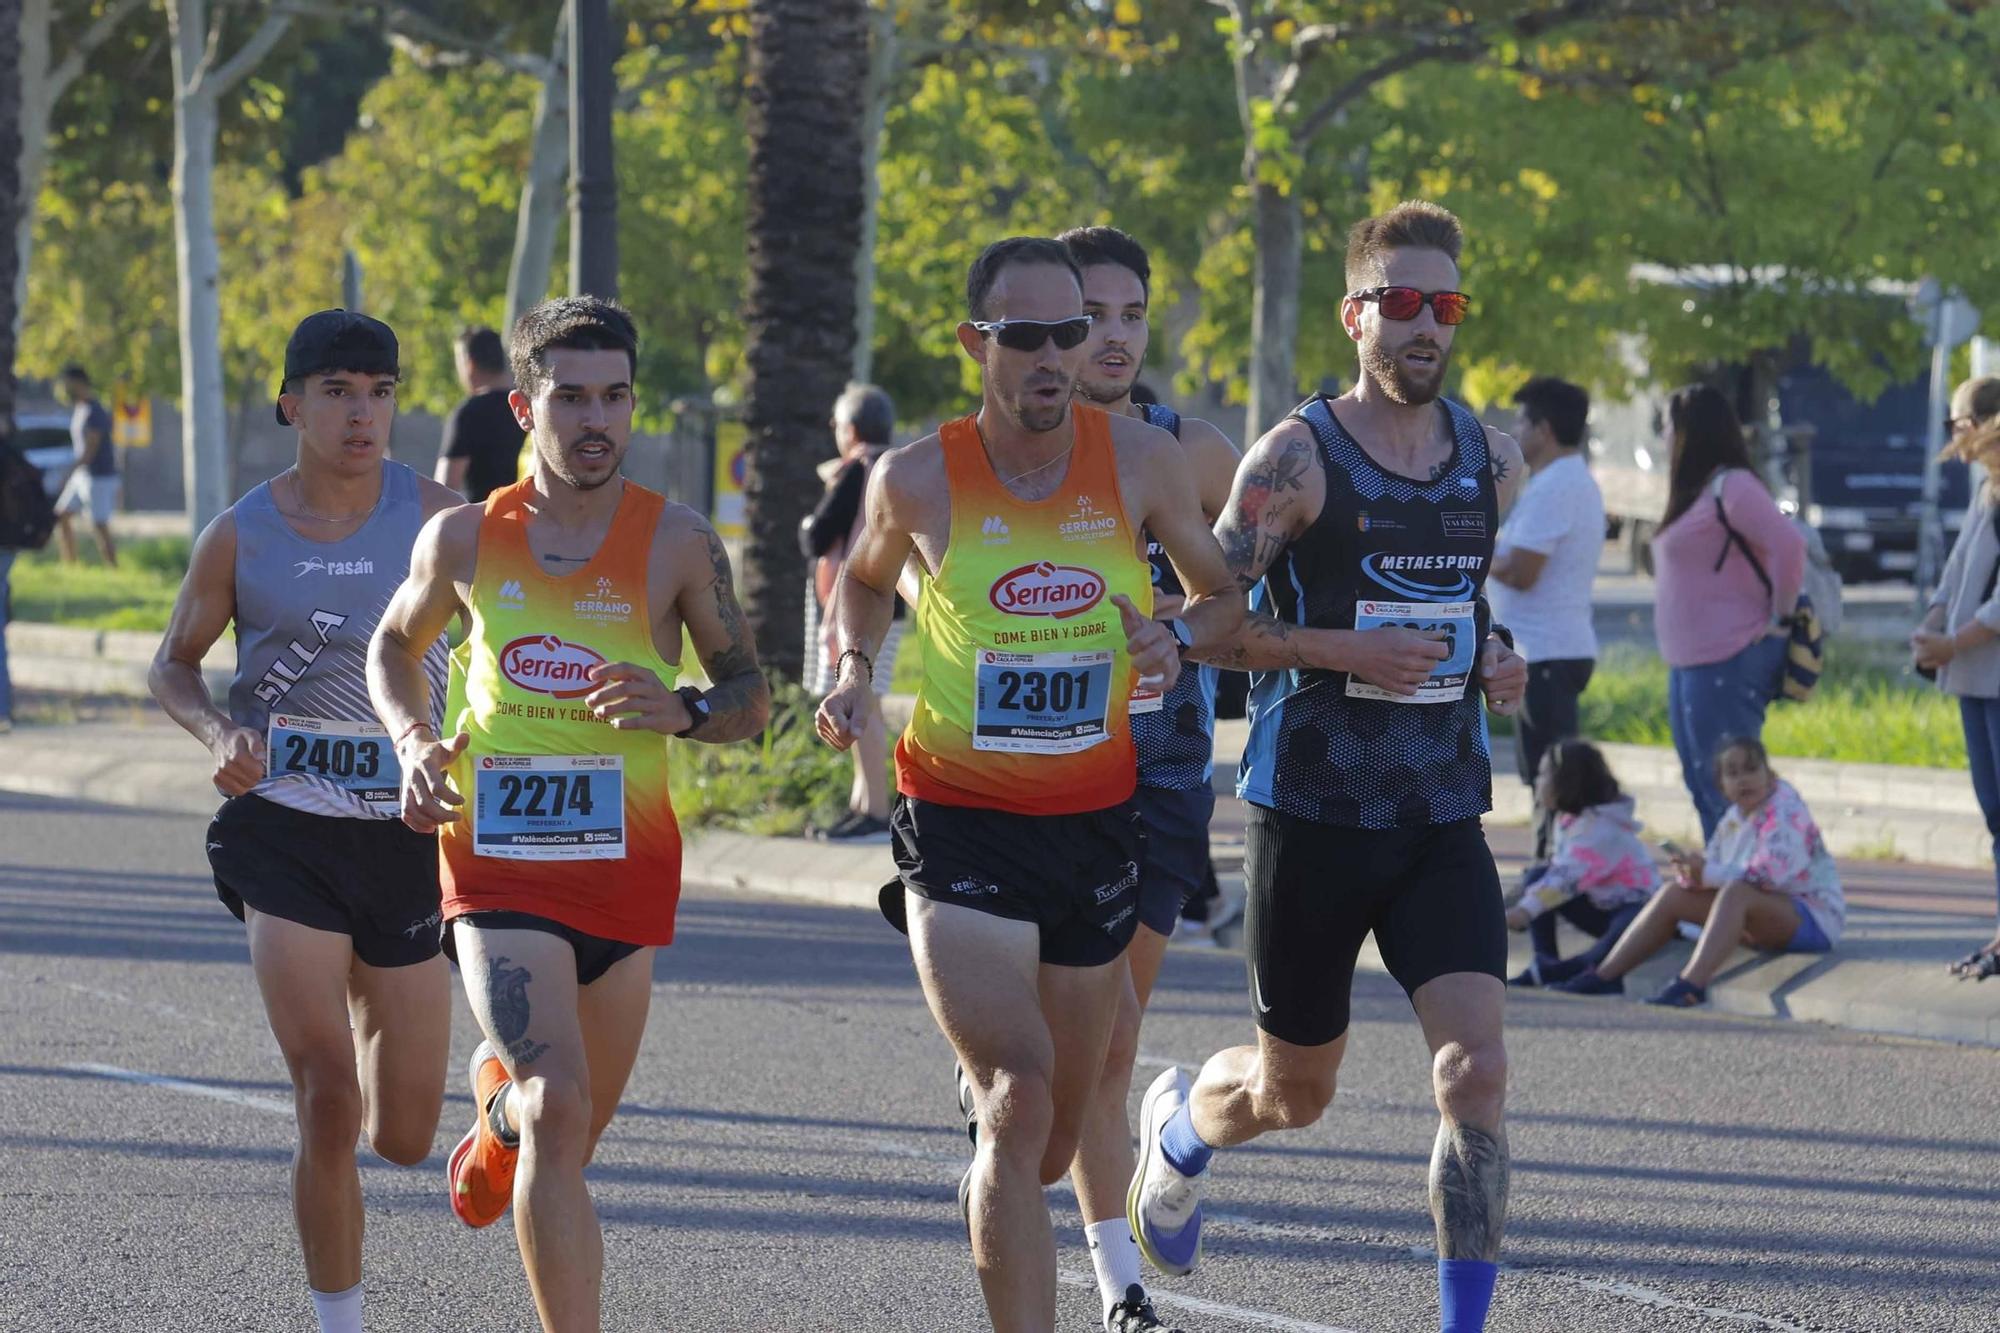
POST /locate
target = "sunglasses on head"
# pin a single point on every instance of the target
(1402, 303)
(1952, 424)
(1028, 335)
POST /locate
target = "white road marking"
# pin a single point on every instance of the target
(256, 1101)
(1632, 1291)
(136, 1003)
(890, 1147)
(1214, 1309)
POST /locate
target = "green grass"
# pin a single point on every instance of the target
(137, 595)
(776, 785)
(1867, 709)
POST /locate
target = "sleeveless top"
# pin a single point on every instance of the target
(1175, 732)
(1023, 705)
(1386, 550)
(305, 611)
(565, 816)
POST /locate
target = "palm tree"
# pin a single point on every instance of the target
(808, 71)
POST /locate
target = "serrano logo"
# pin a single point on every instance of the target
(547, 665)
(1060, 591)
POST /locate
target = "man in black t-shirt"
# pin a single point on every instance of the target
(481, 449)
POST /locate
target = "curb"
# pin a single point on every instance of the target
(1836, 990)
(65, 660)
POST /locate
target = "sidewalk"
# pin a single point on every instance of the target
(1905, 921)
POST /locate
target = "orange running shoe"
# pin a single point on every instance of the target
(481, 1169)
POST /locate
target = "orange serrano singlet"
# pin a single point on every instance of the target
(1026, 675)
(565, 816)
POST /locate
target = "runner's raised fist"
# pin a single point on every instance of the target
(239, 760)
(1155, 655)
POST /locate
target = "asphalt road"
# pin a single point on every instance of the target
(787, 1156)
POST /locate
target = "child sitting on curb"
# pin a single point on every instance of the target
(1767, 881)
(1600, 874)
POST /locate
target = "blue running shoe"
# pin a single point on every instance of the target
(1589, 983)
(1680, 994)
(1164, 1206)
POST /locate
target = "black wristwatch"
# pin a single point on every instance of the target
(697, 706)
(1182, 639)
(1505, 635)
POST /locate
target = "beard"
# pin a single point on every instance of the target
(559, 462)
(1398, 382)
(1100, 392)
(1032, 414)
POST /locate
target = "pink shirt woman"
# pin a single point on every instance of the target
(1716, 617)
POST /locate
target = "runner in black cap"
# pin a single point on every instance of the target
(340, 898)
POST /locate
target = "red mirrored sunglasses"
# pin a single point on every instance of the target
(1402, 303)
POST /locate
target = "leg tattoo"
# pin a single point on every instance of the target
(507, 999)
(1469, 1171)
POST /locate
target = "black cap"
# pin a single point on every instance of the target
(338, 340)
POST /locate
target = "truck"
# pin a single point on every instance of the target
(1853, 470)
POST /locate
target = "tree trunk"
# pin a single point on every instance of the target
(884, 58)
(36, 101)
(806, 57)
(540, 215)
(1274, 315)
(204, 419)
(11, 198)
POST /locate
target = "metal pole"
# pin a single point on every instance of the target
(350, 280)
(1930, 529)
(593, 189)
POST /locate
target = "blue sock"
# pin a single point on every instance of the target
(1465, 1289)
(1182, 1147)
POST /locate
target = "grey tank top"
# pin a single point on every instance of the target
(304, 613)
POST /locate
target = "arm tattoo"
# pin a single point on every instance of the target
(1265, 644)
(1469, 1176)
(738, 697)
(1502, 469)
(1250, 533)
(507, 1005)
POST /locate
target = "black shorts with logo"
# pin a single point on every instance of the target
(1430, 895)
(1076, 877)
(374, 880)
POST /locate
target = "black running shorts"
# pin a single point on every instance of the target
(1074, 876)
(1176, 851)
(1431, 895)
(594, 955)
(373, 880)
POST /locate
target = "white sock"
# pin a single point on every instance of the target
(338, 1311)
(1115, 1256)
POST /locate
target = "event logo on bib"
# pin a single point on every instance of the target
(548, 665)
(1045, 589)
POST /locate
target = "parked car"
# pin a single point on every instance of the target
(43, 438)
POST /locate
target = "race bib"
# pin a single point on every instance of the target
(354, 756)
(565, 807)
(1454, 620)
(1040, 703)
(1145, 700)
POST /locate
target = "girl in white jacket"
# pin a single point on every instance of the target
(1600, 873)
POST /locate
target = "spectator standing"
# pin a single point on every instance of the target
(93, 478)
(481, 449)
(864, 421)
(1542, 573)
(1959, 640)
(1729, 567)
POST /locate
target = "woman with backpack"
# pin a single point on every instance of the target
(1729, 566)
(1959, 641)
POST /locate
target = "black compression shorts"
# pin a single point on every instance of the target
(1431, 895)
